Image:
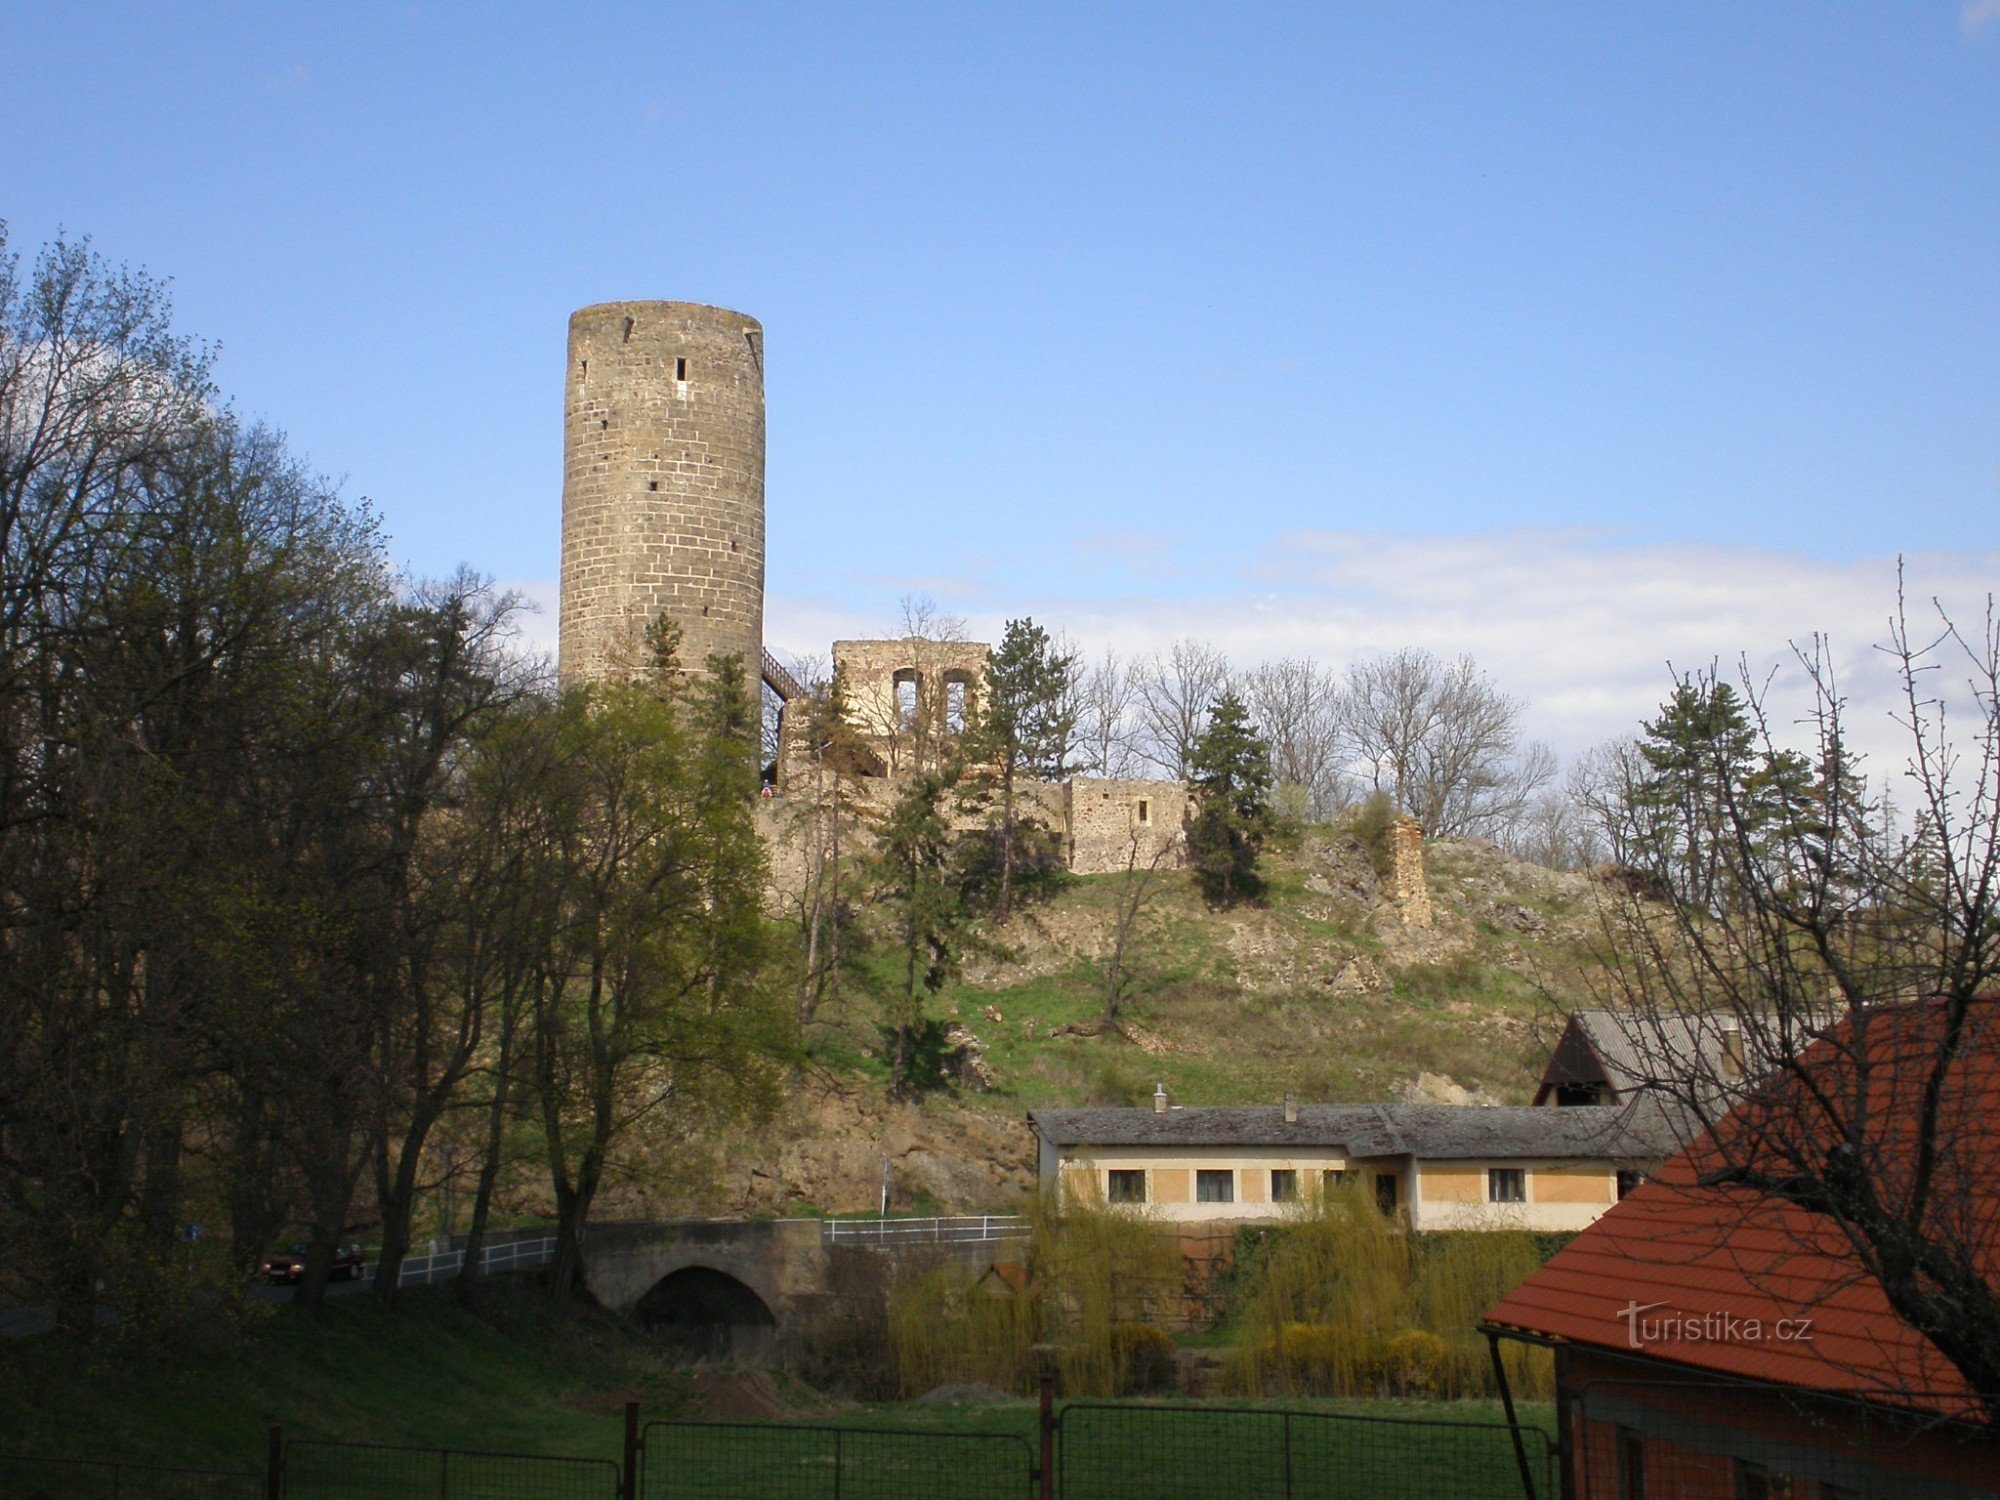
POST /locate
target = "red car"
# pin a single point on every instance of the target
(348, 1264)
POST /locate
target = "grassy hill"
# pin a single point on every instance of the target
(1320, 989)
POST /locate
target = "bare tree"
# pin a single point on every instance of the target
(1105, 727)
(1559, 829)
(917, 723)
(1136, 888)
(1442, 740)
(1173, 697)
(1296, 705)
(1814, 1002)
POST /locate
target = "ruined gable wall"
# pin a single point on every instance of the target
(869, 670)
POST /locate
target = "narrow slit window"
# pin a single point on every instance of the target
(680, 367)
(1145, 810)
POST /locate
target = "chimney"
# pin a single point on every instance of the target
(1291, 1108)
(1159, 1098)
(1732, 1049)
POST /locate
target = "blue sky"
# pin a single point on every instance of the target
(1580, 337)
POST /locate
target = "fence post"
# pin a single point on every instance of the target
(837, 1458)
(628, 1482)
(1047, 1385)
(274, 1462)
(1288, 1451)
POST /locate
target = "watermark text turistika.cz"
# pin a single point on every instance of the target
(1657, 1323)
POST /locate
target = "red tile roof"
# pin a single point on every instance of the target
(1733, 1265)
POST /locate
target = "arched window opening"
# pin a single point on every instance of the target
(906, 698)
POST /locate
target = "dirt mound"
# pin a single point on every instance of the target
(978, 1393)
(736, 1396)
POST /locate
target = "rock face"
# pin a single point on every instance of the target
(826, 1155)
(1436, 1088)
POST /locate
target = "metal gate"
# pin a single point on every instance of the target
(779, 1461)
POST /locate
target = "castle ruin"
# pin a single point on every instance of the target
(663, 513)
(663, 485)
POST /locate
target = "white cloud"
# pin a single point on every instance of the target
(1974, 16)
(1582, 626)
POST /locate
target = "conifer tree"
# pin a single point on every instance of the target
(1025, 730)
(913, 882)
(1230, 768)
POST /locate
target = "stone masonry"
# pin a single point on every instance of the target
(1409, 886)
(663, 484)
(1111, 824)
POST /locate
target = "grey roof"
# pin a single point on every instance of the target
(1656, 1049)
(1436, 1132)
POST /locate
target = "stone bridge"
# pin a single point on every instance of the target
(727, 1288)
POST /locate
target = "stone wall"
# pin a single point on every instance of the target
(663, 484)
(906, 727)
(1102, 817)
(1409, 886)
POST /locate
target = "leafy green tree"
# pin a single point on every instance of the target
(656, 1000)
(1025, 730)
(1230, 768)
(832, 759)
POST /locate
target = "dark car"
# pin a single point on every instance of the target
(348, 1264)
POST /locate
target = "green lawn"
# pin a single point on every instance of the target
(1193, 1450)
(524, 1378)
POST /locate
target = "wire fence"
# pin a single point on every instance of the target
(711, 1460)
(1713, 1437)
(24, 1478)
(313, 1470)
(1110, 1451)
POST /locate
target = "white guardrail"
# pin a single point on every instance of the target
(889, 1234)
(512, 1255)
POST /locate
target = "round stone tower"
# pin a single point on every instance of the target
(663, 485)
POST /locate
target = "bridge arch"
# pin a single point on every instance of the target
(708, 1314)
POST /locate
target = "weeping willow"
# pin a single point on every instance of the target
(1347, 1303)
(1093, 1286)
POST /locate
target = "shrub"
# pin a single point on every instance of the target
(1369, 825)
(1145, 1356)
(1097, 1279)
(1412, 1362)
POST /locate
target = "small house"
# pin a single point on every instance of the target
(1437, 1166)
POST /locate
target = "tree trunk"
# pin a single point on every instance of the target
(399, 1192)
(1006, 838)
(471, 1273)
